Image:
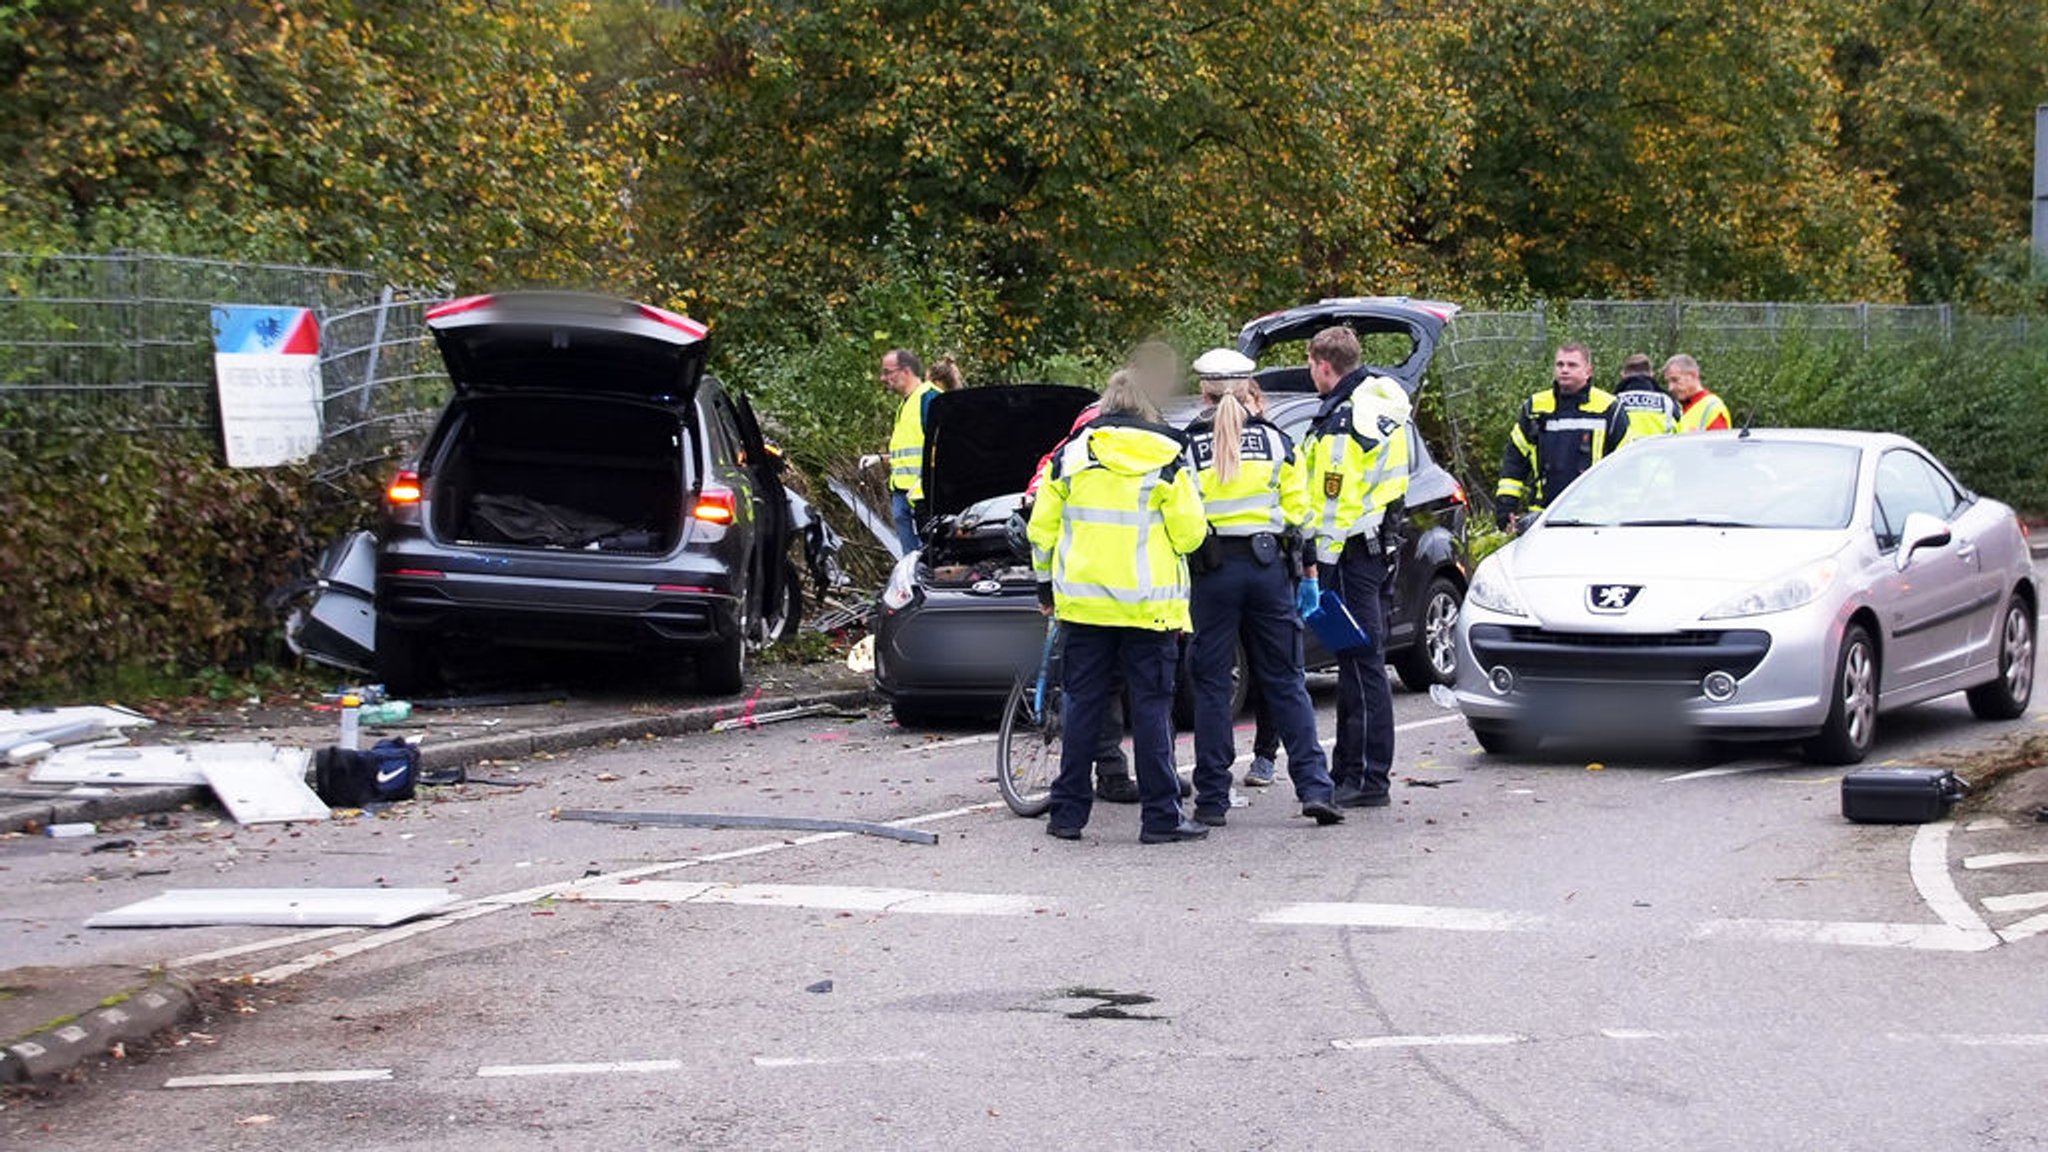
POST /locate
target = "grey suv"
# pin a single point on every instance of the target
(588, 486)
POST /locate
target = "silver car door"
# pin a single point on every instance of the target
(1928, 607)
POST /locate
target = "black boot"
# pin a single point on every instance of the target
(1116, 789)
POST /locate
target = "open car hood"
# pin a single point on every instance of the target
(986, 442)
(567, 342)
(1422, 321)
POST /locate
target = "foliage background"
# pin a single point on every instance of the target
(1029, 185)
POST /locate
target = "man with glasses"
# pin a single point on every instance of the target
(903, 374)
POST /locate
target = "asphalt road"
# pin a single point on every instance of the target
(1670, 951)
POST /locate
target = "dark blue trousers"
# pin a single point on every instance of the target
(1243, 597)
(1363, 756)
(1092, 658)
(906, 521)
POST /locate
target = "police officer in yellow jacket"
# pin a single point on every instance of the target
(1650, 411)
(1358, 464)
(903, 373)
(1559, 433)
(1114, 520)
(1258, 510)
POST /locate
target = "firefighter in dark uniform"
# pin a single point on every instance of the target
(1559, 433)
(1256, 501)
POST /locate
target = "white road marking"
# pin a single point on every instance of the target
(483, 905)
(1928, 863)
(261, 946)
(1400, 916)
(827, 897)
(2031, 926)
(603, 1067)
(1978, 1040)
(1988, 824)
(833, 1061)
(961, 742)
(1473, 1040)
(252, 1079)
(2017, 902)
(2004, 860)
(1860, 934)
(1634, 1034)
(1724, 770)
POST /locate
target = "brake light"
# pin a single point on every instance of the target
(683, 588)
(1458, 493)
(419, 573)
(675, 320)
(405, 489)
(460, 305)
(714, 506)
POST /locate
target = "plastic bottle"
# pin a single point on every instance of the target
(351, 722)
(389, 712)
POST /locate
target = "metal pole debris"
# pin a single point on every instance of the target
(780, 823)
(755, 720)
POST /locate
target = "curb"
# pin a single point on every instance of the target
(42, 1056)
(440, 757)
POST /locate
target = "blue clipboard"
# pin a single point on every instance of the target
(1334, 625)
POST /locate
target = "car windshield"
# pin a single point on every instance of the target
(1717, 483)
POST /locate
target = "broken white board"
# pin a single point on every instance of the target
(155, 764)
(264, 791)
(37, 719)
(278, 907)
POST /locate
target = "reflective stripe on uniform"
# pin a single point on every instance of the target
(1119, 595)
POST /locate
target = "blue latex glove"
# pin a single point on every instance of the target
(1308, 597)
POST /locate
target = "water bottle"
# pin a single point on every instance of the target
(351, 722)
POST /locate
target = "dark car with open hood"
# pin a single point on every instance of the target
(589, 486)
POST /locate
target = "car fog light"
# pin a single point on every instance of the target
(1718, 686)
(1501, 679)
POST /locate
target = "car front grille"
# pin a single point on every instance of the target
(1539, 654)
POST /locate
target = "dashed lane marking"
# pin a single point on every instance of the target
(259, 1079)
(1725, 770)
(1470, 1040)
(1922, 937)
(1969, 1040)
(826, 897)
(2003, 860)
(596, 1068)
(1350, 915)
(834, 1061)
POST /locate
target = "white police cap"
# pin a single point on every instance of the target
(1223, 364)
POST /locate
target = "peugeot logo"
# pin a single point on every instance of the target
(986, 587)
(1612, 597)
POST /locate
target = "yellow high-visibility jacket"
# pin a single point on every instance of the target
(1358, 460)
(1114, 521)
(1270, 491)
(906, 442)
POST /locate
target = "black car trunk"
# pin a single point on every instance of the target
(537, 471)
(981, 447)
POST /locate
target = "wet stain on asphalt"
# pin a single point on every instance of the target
(1109, 1005)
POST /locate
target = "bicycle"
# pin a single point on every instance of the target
(1028, 744)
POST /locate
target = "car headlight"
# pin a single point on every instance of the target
(902, 586)
(1492, 590)
(1778, 594)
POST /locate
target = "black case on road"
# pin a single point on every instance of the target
(1900, 795)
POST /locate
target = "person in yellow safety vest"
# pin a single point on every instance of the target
(1254, 495)
(1650, 411)
(1699, 409)
(1559, 433)
(903, 373)
(1358, 465)
(1110, 531)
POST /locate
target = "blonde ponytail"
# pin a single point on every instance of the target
(1233, 399)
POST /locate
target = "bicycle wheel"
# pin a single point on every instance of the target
(1028, 745)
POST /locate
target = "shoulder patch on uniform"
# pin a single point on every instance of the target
(1388, 425)
(1333, 485)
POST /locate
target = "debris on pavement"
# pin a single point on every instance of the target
(778, 823)
(757, 719)
(256, 792)
(278, 907)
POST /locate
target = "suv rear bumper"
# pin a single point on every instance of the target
(554, 613)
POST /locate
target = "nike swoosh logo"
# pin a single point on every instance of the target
(384, 777)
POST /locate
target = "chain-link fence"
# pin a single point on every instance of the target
(123, 343)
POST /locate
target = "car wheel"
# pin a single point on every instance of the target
(2007, 697)
(405, 661)
(722, 667)
(781, 620)
(1184, 692)
(1433, 658)
(1851, 725)
(1503, 740)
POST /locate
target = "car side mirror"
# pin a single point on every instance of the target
(1922, 531)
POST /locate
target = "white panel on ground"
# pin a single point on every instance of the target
(289, 907)
(265, 792)
(36, 720)
(153, 764)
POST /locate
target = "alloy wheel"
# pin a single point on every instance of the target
(1859, 693)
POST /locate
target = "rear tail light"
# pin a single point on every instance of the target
(714, 505)
(419, 573)
(460, 305)
(675, 320)
(405, 489)
(1458, 493)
